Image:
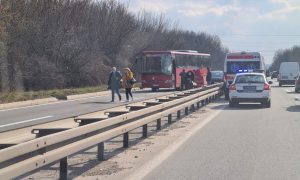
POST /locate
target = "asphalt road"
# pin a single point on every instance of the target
(246, 142)
(27, 116)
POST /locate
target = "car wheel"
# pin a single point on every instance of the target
(268, 104)
(231, 104)
(226, 95)
(296, 90)
(280, 84)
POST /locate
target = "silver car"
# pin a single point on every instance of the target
(250, 87)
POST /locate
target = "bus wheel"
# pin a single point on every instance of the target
(155, 89)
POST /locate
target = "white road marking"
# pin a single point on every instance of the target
(151, 165)
(64, 101)
(29, 120)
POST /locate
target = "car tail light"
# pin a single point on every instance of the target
(266, 87)
(232, 87)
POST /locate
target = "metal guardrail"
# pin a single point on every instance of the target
(48, 148)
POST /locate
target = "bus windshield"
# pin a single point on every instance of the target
(234, 67)
(157, 64)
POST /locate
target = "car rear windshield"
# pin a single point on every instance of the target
(250, 79)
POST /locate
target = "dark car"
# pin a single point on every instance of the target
(274, 74)
(217, 76)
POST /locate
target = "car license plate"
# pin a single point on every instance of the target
(249, 88)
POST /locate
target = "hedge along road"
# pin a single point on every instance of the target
(33, 115)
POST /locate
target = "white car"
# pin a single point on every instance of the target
(250, 87)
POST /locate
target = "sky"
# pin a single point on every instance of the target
(243, 25)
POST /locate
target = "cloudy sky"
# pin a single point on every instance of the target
(250, 25)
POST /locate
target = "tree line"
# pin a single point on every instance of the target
(285, 55)
(47, 44)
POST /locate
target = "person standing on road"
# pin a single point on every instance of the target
(183, 80)
(128, 82)
(208, 77)
(189, 80)
(114, 83)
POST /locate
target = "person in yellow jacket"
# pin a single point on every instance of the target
(127, 82)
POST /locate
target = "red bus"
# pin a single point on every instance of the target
(161, 69)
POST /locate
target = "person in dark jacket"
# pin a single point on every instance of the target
(189, 80)
(183, 80)
(208, 77)
(114, 82)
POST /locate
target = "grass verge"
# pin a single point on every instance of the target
(57, 93)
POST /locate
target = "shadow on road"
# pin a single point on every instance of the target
(292, 92)
(295, 108)
(240, 107)
(282, 86)
(107, 102)
(150, 91)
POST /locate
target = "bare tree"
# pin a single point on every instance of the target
(71, 43)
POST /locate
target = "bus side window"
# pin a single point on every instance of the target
(139, 64)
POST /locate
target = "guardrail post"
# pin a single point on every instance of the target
(158, 124)
(126, 140)
(186, 111)
(193, 107)
(100, 154)
(170, 118)
(63, 168)
(198, 105)
(178, 114)
(145, 130)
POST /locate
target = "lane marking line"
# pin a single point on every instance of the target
(66, 101)
(29, 120)
(147, 168)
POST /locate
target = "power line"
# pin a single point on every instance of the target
(256, 42)
(264, 35)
